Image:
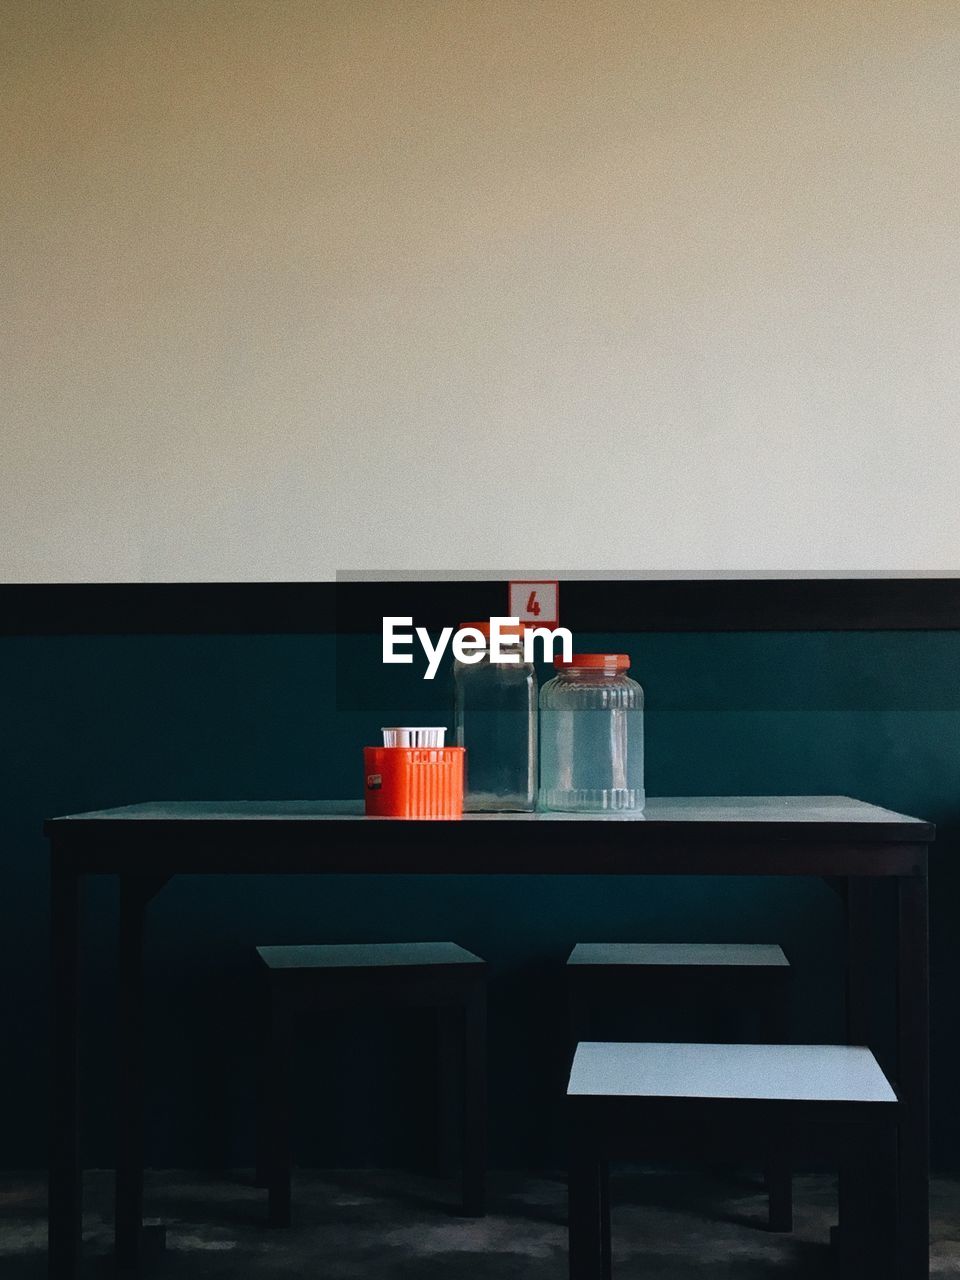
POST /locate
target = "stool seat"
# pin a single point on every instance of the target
(721, 991)
(367, 955)
(672, 955)
(743, 1072)
(318, 979)
(633, 1099)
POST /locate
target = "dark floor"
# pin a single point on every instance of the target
(395, 1227)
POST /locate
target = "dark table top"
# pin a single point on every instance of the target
(834, 812)
(760, 835)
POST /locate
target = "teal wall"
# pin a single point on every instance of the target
(95, 721)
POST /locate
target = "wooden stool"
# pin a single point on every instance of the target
(729, 978)
(440, 975)
(624, 1099)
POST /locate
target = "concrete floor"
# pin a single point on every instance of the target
(383, 1226)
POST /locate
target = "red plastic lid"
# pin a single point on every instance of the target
(597, 661)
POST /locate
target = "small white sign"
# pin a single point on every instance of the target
(535, 602)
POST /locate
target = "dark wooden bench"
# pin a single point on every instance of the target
(301, 980)
(635, 1099)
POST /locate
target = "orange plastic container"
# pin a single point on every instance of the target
(413, 782)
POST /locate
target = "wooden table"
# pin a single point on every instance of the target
(850, 843)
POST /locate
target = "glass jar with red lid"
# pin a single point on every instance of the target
(591, 735)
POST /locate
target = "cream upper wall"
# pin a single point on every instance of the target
(425, 284)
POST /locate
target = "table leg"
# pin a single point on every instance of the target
(65, 1185)
(859, 965)
(913, 1054)
(129, 1173)
(135, 893)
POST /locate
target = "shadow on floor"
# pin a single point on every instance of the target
(392, 1226)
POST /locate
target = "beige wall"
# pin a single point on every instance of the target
(302, 285)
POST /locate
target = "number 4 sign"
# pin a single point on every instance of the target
(535, 602)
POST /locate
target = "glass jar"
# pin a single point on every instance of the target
(495, 718)
(591, 735)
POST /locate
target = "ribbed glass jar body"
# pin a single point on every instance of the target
(591, 740)
(495, 718)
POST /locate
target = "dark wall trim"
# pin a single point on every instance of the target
(628, 605)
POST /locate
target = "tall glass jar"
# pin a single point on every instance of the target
(495, 718)
(591, 735)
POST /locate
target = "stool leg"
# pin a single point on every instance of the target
(579, 1014)
(579, 1028)
(278, 1114)
(450, 1086)
(475, 1102)
(779, 1180)
(853, 1210)
(585, 1214)
(880, 1173)
(262, 1170)
(606, 1252)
